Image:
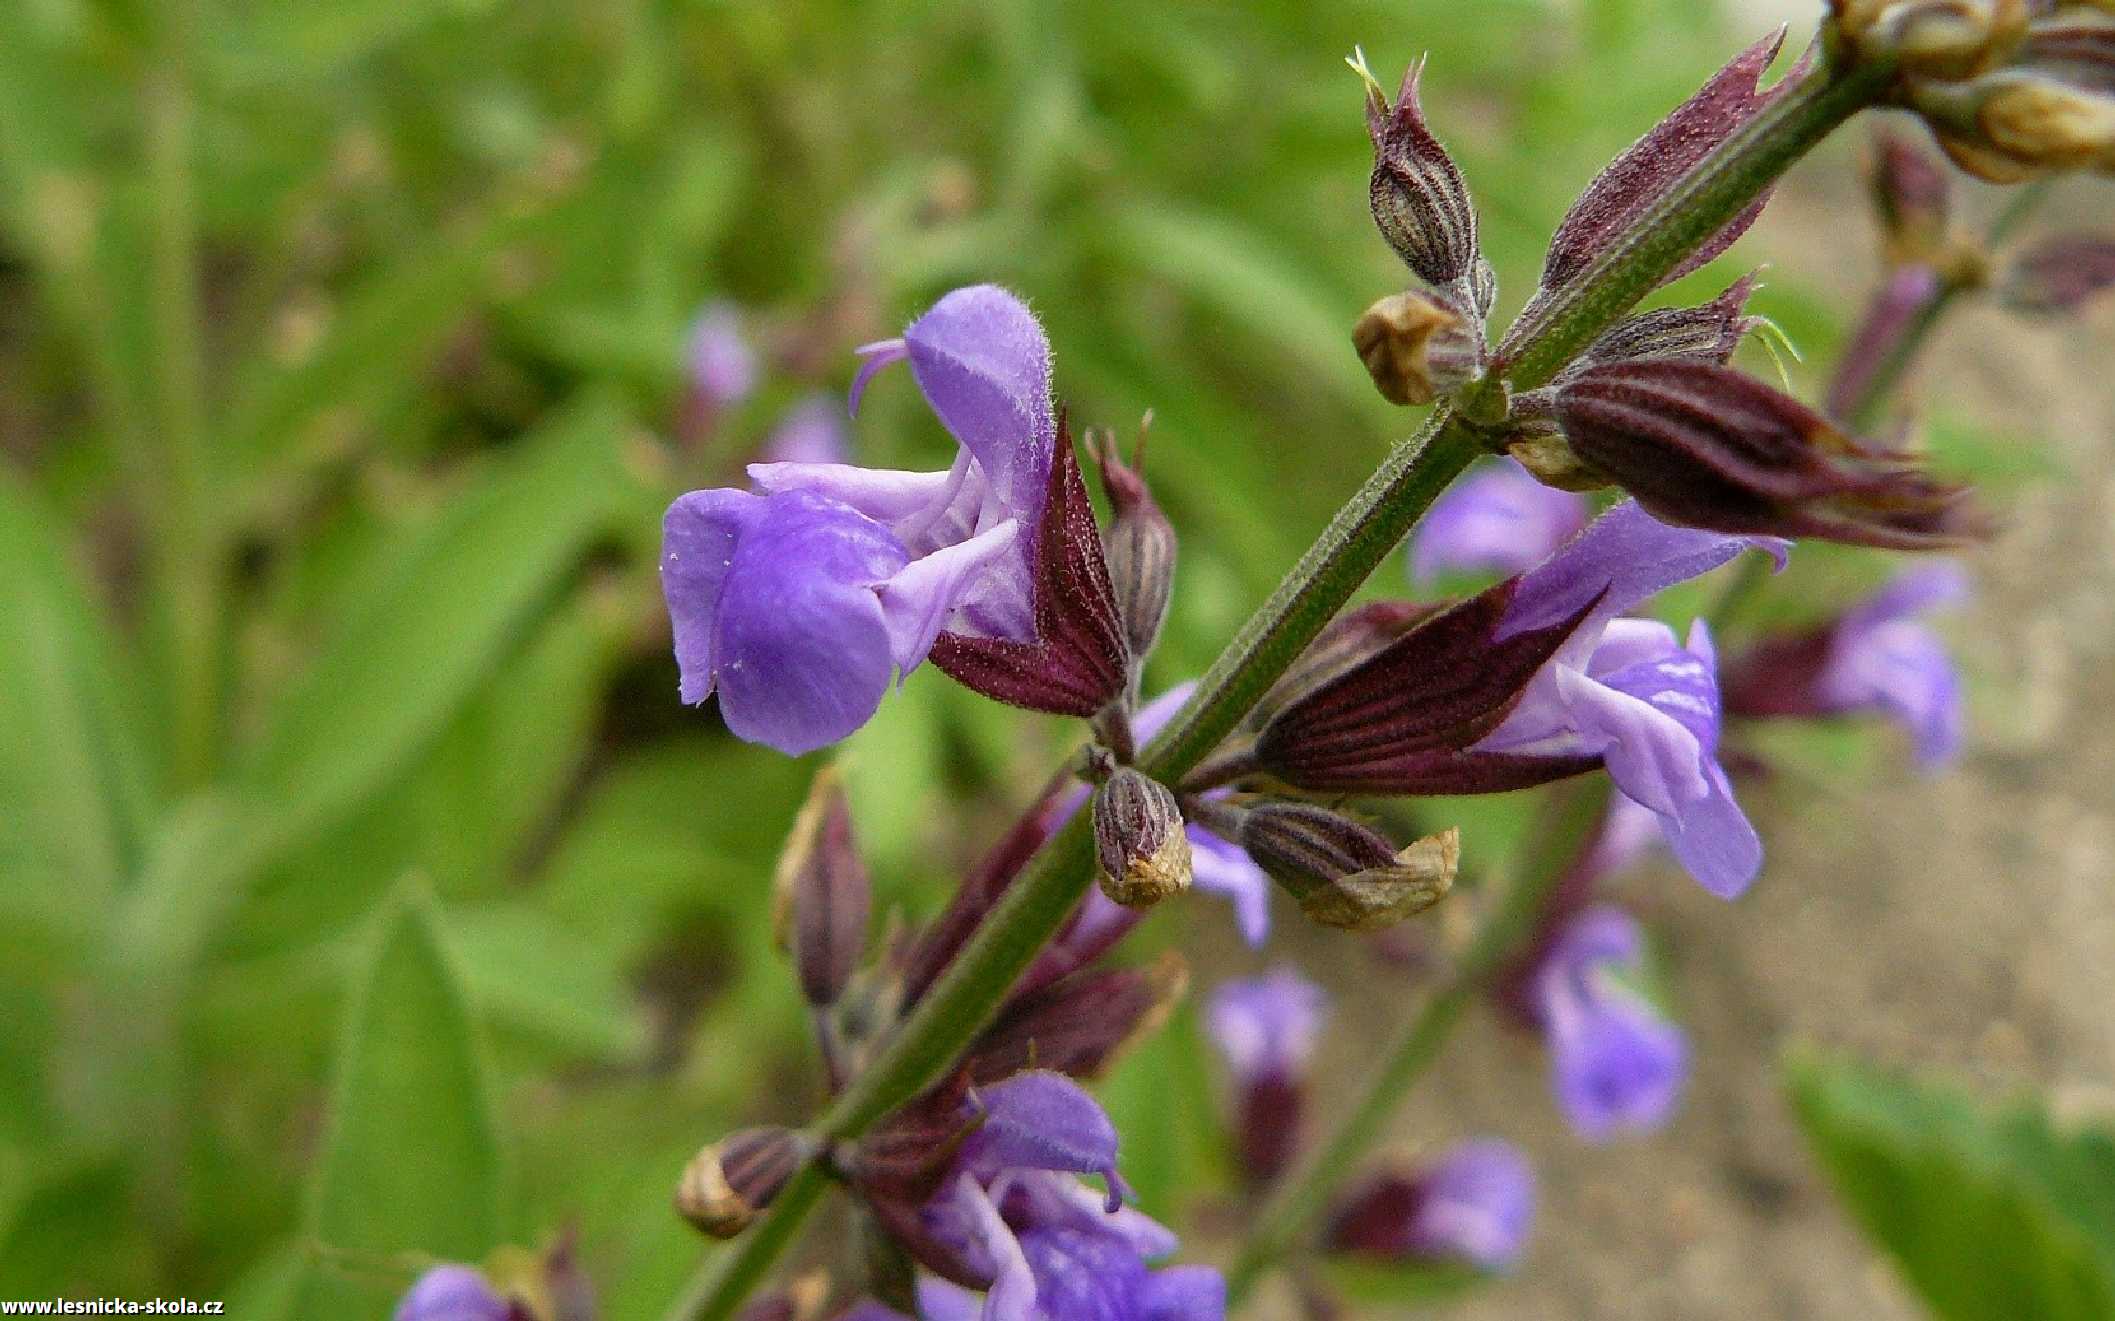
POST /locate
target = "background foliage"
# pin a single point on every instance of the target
(366, 888)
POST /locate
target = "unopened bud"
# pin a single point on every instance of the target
(727, 1185)
(1308, 848)
(1139, 837)
(2048, 124)
(1948, 40)
(1548, 456)
(1418, 877)
(1139, 545)
(1913, 196)
(821, 893)
(1416, 348)
(2061, 275)
(1420, 201)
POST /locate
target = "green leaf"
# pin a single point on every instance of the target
(411, 1168)
(1991, 1213)
(71, 771)
(409, 655)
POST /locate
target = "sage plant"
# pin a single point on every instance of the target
(985, 1181)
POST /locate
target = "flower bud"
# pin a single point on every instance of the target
(1420, 201)
(1947, 40)
(2060, 275)
(1419, 877)
(1913, 196)
(1416, 348)
(1139, 838)
(1139, 544)
(727, 1185)
(452, 1293)
(2048, 124)
(821, 894)
(1473, 1205)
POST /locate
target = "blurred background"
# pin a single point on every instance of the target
(347, 362)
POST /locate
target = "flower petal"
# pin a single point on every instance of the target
(1478, 1202)
(1267, 1025)
(1498, 519)
(921, 600)
(882, 494)
(801, 651)
(1225, 869)
(1184, 1293)
(698, 538)
(1044, 1121)
(984, 365)
(873, 357)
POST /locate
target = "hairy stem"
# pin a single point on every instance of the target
(1362, 534)
(1298, 1207)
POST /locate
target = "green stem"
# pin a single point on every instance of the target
(186, 555)
(1298, 1207)
(1365, 531)
(1862, 411)
(1701, 203)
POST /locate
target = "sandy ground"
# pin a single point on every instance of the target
(1963, 925)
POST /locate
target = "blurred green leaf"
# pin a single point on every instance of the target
(71, 768)
(1992, 1214)
(410, 652)
(411, 1169)
(528, 973)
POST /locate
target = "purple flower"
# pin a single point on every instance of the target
(452, 1293)
(1877, 657)
(1475, 1204)
(1625, 691)
(799, 601)
(1267, 1026)
(1039, 1244)
(1618, 1063)
(812, 431)
(723, 368)
(1499, 519)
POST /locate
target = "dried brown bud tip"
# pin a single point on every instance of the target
(729, 1184)
(1420, 877)
(821, 895)
(1139, 838)
(1416, 348)
(1948, 40)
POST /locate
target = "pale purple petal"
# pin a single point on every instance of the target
(942, 1300)
(1224, 869)
(1628, 832)
(802, 650)
(1267, 1026)
(965, 1219)
(451, 1293)
(698, 538)
(1477, 1203)
(1498, 519)
(1928, 586)
(812, 431)
(919, 601)
(1043, 1121)
(1084, 1277)
(1623, 558)
(1618, 1064)
(1049, 1199)
(1154, 716)
(873, 357)
(1184, 1293)
(984, 365)
(885, 495)
(867, 1309)
(723, 367)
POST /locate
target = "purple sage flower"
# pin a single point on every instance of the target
(1013, 1222)
(1474, 1204)
(452, 1293)
(1266, 1027)
(1617, 1063)
(799, 601)
(1877, 657)
(723, 368)
(1626, 691)
(812, 431)
(1498, 519)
